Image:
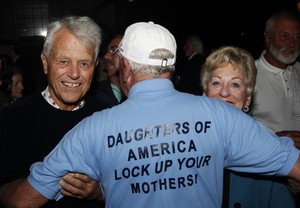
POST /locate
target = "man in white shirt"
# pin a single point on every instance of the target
(276, 99)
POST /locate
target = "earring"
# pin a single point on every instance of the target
(246, 109)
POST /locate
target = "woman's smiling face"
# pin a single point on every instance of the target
(228, 84)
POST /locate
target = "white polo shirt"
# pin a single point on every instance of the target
(276, 99)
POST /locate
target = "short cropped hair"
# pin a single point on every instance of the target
(84, 28)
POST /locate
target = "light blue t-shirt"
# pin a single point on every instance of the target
(166, 149)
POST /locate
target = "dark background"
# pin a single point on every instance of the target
(218, 22)
(239, 22)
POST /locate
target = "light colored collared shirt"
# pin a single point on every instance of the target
(276, 99)
(46, 95)
(117, 92)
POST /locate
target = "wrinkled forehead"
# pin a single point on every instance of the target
(287, 24)
(229, 66)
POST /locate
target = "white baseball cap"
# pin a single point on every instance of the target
(141, 38)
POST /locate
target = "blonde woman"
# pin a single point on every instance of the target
(229, 74)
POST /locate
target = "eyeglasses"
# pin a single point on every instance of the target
(112, 51)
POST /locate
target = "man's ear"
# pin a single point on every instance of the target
(125, 77)
(44, 62)
(267, 39)
(127, 70)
